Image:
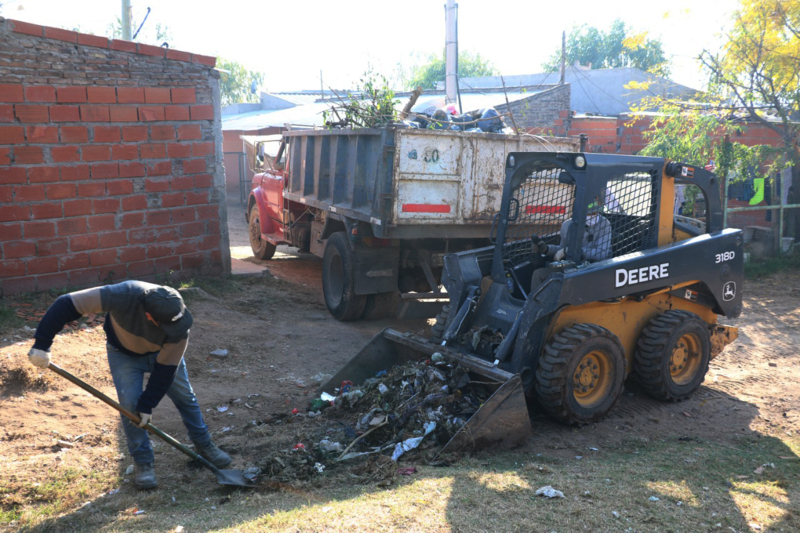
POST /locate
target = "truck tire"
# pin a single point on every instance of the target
(581, 374)
(381, 305)
(672, 355)
(262, 249)
(338, 284)
(437, 330)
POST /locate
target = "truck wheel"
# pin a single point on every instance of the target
(262, 249)
(580, 374)
(381, 305)
(437, 330)
(672, 355)
(338, 283)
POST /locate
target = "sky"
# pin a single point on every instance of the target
(292, 41)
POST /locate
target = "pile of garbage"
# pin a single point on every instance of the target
(447, 118)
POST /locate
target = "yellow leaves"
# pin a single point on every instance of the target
(634, 85)
(634, 42)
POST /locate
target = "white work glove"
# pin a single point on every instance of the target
(561, 254)
(146, 418)
(40, 358)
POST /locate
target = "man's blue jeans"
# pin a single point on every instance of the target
(128, 374)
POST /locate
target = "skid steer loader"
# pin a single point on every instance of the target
(592, 278)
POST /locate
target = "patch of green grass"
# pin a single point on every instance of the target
(766, 266)
(9, 319)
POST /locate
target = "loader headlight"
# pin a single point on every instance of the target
(511, 161)
(580, 162)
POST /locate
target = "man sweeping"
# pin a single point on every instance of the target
(147, 331)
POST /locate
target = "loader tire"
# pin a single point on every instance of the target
(262, 249)
(437, 330)
(672, 355)
(581, 374)
(338, 281)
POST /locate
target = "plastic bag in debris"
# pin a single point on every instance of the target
(549, 492)
(328, 446)
(406, 445)
(450, 109)
(494, 122)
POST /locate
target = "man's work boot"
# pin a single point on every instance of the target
(213, 455)
(145, 476)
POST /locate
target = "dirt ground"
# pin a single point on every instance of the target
(281, 342)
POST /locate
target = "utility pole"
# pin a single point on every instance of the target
(126, 19)
(563, 56)
(451, 58)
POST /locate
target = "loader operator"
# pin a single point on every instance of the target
(596, 243)
(147, 331)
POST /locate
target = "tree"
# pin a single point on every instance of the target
(617, 48)
(427, 74)
(236, 82)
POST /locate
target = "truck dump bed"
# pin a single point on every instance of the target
(408, 183)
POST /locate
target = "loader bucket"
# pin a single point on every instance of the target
(501, 422)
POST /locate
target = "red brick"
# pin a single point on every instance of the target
(189, 132)
(178, 150)
(92, 40)
(5, 156)
(7, 114)
(80, 243)
(197, 198)
(12, 175)
(191, 261)
(123, 46)
(56, 246)
(133, 203)
(95, 113)
(204, 60)
(11, 93)
(203, 181)
(130, 95)
(71, 95)
(207, 212)
(176, 112)
(64, 113)
(154, 151)
(195, 229)
(86, 190)
(61, 35)
(9, 269)
(162, 133)
(71, 262)
(156, 185)
(103, 257)
(100, 223)
(134, 253)
(40, 93)
(74, 134)
(94, 276)
(19, 285)
(64, 154)
(6, 194)
(42, 134)
(112, 239)
(125, 152)
(182, 215)
(183, 95)
(108, 205)
(121, 113)
(42, 174)
(106, 134)
(28, 155)
(194, 166)
(71, 226)
(134, 133)
(27, 28)
(116, 188)
(150, 235)
(74, 172)
(182, 183)
(174, 199)
(213, 227)
(158, 218)
(19, 249)
(202, 149)
(77, 207)
(131, 170)
(150, 50)
(162, 168)
(151, 113)
(178, 55)
(102, 95)
(11, 213)
(156, 95)
(202, 112)
(29, 193)
(42, 265)
(10, 232)
(209, 243)
(61, 191)
(31, 113)
(96, 152)
(12, 135)
(185, 247)
(105, 170)
(131, 221)
(142, 268)
(167, 264)
(158, 250)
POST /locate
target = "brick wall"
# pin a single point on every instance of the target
(541, 110)
(110, 161)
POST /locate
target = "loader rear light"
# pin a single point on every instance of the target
(426, 208)
(545, 210)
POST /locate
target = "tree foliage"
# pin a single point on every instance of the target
(426, 75)
(613, 49)
(371, 105)
(235, 85)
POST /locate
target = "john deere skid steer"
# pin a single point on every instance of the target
(592, 277)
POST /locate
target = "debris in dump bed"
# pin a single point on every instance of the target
(483, 340)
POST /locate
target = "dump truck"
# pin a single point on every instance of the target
(592, 279)
(380, 206)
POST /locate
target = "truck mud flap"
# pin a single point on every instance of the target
(501, 422)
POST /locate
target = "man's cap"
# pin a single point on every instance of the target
(166, 307)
